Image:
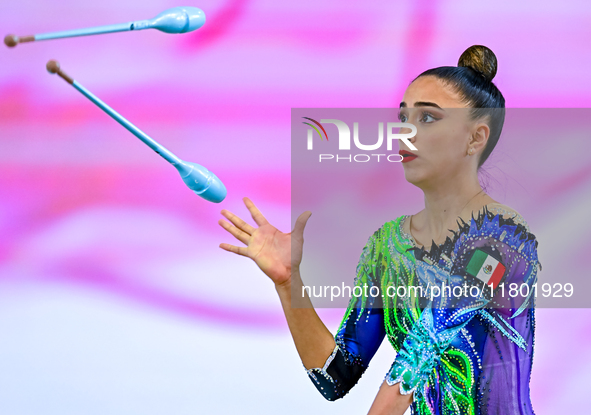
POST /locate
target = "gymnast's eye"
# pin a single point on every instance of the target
(427, 118)
(402, 117)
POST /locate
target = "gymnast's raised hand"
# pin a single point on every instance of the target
(276, 253)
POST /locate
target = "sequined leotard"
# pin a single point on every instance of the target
(461, 354)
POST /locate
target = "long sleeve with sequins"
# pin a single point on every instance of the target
(360, 333)
(501, 263)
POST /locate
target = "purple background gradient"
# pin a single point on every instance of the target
(114, 295)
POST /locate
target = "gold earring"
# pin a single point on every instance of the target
(470, 151)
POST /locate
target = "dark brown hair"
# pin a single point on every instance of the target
(472, 80)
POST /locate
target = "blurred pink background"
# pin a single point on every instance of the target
(114, 295)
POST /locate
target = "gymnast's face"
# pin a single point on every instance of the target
(445, 132)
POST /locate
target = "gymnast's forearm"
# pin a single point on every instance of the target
(389, 401)
(313, 341)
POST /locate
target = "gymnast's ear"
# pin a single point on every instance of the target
(480, 135)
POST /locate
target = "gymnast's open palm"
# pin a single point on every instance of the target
(276, 253)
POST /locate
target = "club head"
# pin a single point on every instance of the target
(202, 181)
(179, 20)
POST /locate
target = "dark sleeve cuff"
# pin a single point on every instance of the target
(338, 375)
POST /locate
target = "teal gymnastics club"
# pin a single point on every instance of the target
(174, 20)
(200, 180)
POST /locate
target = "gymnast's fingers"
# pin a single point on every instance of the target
(237, 233)
(239, 223)
(301, 221)
(255, 212)
(236, 249)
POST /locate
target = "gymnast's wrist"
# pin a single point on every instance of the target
(284, 286)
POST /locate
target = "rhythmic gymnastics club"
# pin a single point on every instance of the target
(196, 177)
(174, 20)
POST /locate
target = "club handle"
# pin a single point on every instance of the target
(158, 148)
(121, 27)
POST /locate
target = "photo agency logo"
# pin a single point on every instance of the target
(369, 151)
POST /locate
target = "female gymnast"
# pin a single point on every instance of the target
(460, 351)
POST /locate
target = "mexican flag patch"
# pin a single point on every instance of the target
(486, 268)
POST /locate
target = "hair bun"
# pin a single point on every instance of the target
(481, 59)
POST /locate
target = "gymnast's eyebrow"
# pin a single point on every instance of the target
(422, 104)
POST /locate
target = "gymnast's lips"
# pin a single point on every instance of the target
(407, 156)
